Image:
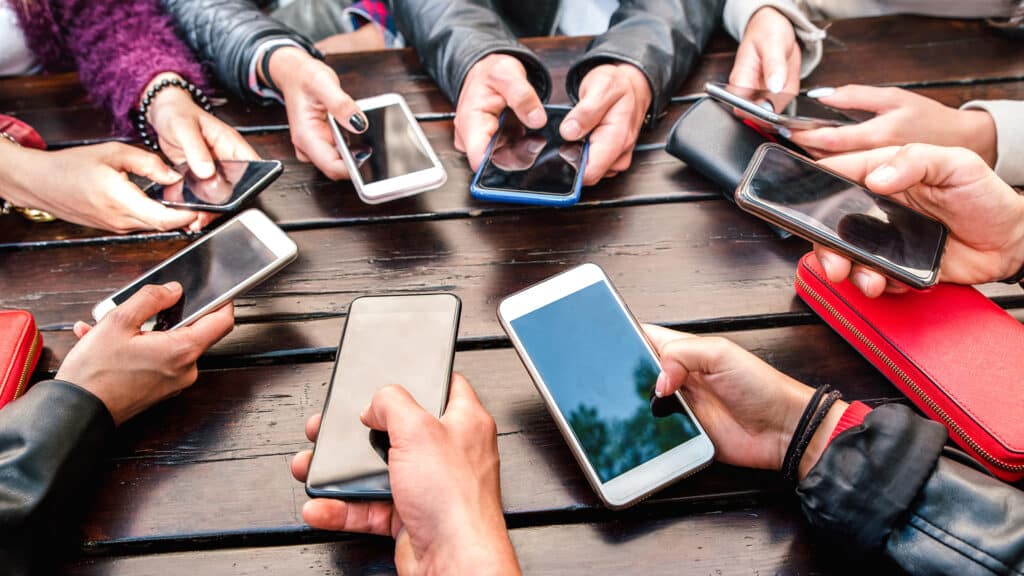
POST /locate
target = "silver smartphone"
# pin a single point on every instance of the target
(392, 158)
(213, 270)
(596, 371)
(790, 111)
(407, 340)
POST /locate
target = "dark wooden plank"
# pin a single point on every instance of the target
(691, 262)
(229, 437)
(761, 539)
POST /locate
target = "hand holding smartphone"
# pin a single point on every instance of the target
(526, 166)
(821, 206)
(596, 371)
(213, 270)
(782, 110)
(233, 183)
(406, 340)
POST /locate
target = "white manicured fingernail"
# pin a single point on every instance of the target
(776, 82)
(821, 92)
(883, 175)
(785, 132)
(767, 106)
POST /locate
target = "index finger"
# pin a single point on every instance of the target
(395, 411)
(209, 329)
(520, 96)
(857, 165)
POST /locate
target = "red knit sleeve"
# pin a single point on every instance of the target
(118, 47)
(853, 416)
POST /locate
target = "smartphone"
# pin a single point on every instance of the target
(821, 206)
(392, 159)
(213, 270)
(525, 166)
(233, 183)
(596, 371)
(407, 340)
(790, 111)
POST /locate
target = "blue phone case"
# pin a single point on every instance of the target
(523, 196)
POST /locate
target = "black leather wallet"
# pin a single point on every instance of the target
(714, 142)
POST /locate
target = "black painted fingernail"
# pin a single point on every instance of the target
(356, 121)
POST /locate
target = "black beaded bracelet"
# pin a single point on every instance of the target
(791, 468)
(142, 124)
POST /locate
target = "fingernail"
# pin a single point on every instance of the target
(883, 174)
(767, 106)
(824, 92)
(173, 286)
(536, 118)
(172, 175)
(661, 385)
(357, 122)
(571, 130)
(860, 280)
(785, 132)
(206, 169)
(826, 261)
(776, 82)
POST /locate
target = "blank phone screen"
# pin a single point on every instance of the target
(403, 340)
(601, 375)
(231, 181)
(536, 161)
(230, 256)
(847, 214)
(389, 148)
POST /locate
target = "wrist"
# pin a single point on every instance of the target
(284, 64)
(796, 402)
(476, 554)
(980, 134)
(17, 172)
(820, 440)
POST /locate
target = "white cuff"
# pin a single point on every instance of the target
(1009, 118)
(739, 12)
(258, 88)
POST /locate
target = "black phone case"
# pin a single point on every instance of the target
(714, 142)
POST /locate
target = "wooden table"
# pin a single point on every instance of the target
(200, 484)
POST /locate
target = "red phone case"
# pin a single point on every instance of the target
(952, 351)
(21, 344)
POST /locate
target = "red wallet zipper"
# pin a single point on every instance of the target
(29, 360)
(908, 381)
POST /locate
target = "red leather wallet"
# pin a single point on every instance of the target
(22, 132)
(951, 350)
(21, 344)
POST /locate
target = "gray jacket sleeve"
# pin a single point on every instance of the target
(51, 440)
(450, 36)
(738, 13)
(227, 34)
(663, 38)
(1009, 118)
(886, 485)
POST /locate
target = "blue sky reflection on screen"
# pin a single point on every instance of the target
(601, 376)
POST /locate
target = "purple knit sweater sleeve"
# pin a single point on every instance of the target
(118, 46)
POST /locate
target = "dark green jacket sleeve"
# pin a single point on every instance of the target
(890, 485)
(51, 440)
(663, 38)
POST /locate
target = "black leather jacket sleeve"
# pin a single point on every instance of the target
(226, 35)
(663, 38)
(450, 36)
(888, 485)
(51, 439)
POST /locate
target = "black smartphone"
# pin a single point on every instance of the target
(526, 166)
(819, 205)
(790, 111)
(232, 184)
(407, 340)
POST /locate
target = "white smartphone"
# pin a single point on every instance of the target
(392, 158)
(596, 371)
(215, 269)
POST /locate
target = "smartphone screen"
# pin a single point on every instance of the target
(228, 257)
(828, 206)
(601, 376)
(536, 161)
(232, 182)
(389, 148)
(405, 340)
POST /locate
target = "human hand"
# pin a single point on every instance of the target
(446, 516)
(749, 409)
(614, 100)
(312, 91)
(769, 56)
(494, 83)
(903, 117)
(130, 370)
(366, 38)
(89, 185)
(985, 216)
